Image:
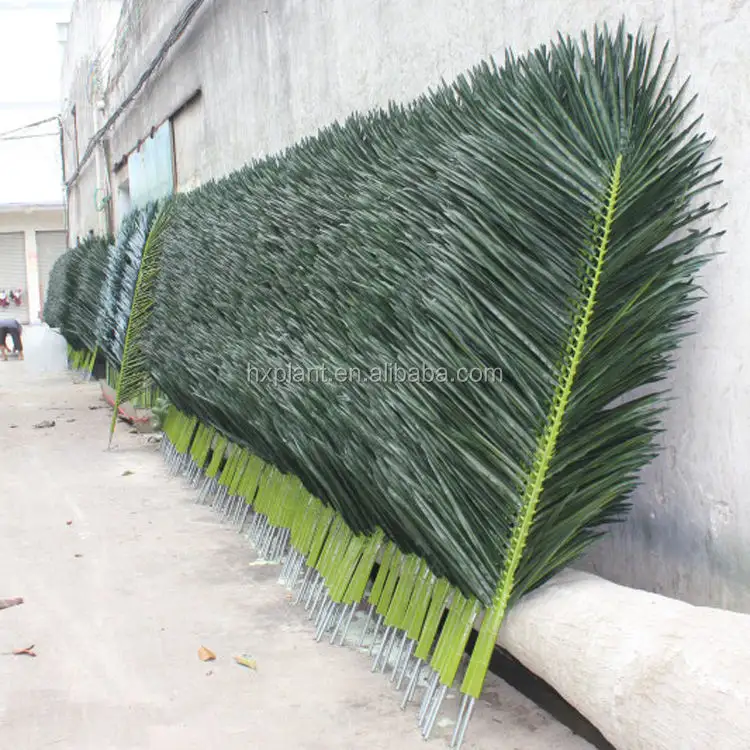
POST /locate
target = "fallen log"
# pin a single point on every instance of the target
(651, 673)
(5, 603)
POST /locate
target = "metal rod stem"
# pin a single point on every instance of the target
(389, 631)
(464, 725)
(406, 665)
(367, 625)
(430, 722)
(305, 580)
(412, 686)
(339, 623)
(375, 633)
(399, 654)
(348, 623)
(427, 698)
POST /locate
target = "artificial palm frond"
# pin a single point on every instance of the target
(134, 377)
(55, 300)
(74, 289)
(464, 236)
(122, 269)
(542, 219)
(160, 410)
(86, 272)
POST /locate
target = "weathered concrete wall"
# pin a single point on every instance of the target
(91, 39)
(272, 72)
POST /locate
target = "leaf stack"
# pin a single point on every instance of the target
(431, 339)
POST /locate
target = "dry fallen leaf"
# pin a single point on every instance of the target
(14, 602)
(246, 661)
(205, 654)
(28, 651)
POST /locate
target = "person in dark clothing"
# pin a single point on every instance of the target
(13, 329)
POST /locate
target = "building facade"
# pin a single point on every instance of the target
(245, 78)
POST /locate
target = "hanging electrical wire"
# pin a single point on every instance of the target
(26, 137)
(28, 126)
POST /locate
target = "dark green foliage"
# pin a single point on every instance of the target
(134, 378)
(55, 301)
(121, 275)
(86, 278)
(74, 289)
(456, 232)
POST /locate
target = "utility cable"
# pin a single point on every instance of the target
(25, 137)
(30, 125)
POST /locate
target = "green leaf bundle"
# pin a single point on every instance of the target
(74, 290)
(123, 265)
(134, 376)
(538, 218)
(542, 219)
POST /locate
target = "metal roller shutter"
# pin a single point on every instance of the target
(49, 247)
(13, 274)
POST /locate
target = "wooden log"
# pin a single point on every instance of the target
(651, 673)
(5, 603)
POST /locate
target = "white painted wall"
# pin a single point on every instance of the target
(272, 72)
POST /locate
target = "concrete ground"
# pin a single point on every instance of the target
(124, 578)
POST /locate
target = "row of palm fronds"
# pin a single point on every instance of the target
(90, 293)
(540, 219)
(74, 290)
(122, 266)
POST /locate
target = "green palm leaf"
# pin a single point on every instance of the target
(73, 294)
(89, 266)
(635, 290)
(543, 218)
(134, 374)
(55, 300)
(459, 232)
(122, 268)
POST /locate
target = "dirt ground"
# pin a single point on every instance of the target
(124, 577)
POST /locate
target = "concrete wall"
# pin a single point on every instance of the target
(30, 220)
(91, 40)
(272, 72)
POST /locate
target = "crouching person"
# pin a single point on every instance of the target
(13, 329)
